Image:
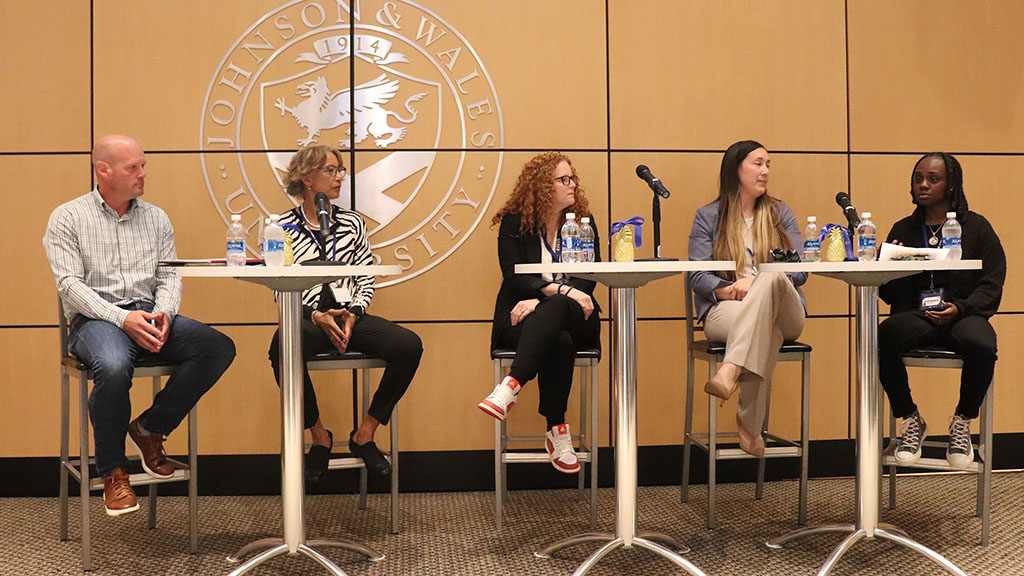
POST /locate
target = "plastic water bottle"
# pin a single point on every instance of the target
(236, 242)
(273, 242)
(586, 240)
(570, 248)
(261, 229)
(812, 243)
(951, 235)
(866, 238)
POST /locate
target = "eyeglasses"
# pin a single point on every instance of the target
(335, 171)
(568, 178)
(780, 255)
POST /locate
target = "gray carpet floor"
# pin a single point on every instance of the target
(453, 534)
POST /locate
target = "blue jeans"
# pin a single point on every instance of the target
(201, 353)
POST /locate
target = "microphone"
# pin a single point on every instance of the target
(323, 212)
(645, 174)
(843, 199)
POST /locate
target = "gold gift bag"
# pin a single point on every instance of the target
(622, 245)
(833, 247)
(289, 254)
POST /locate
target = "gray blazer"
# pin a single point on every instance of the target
(702, 241)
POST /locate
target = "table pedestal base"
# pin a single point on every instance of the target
(884, 531)
(277, 547)
(654, 541)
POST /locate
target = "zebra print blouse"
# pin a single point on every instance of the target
(347, 244)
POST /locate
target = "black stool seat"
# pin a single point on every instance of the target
(504, 354)
(718, 348)
(347, 355)
(932, 352)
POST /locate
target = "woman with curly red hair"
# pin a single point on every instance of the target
(545, 318)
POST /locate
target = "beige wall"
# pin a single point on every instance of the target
(844, 94)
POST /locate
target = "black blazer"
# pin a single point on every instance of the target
(516, 247)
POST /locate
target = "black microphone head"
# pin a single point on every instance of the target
(643, 171)
(843, 199)
(320, 197)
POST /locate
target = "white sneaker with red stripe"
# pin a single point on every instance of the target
(499, 402)
(558, 442)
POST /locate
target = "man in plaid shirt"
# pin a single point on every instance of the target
(104, 248)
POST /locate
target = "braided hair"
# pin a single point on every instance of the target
(954, 182)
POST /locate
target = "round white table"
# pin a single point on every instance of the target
(624, 278)
(866, 277)
(289, 282)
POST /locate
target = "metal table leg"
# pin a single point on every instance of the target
(624, 389)
(292, 483)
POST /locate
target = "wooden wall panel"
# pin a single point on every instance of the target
(30, 294)
(685, 78)
(45, 66)
(928, 75)
(699, 75)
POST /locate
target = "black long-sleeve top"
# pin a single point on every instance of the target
(974, 292)
(517, 247)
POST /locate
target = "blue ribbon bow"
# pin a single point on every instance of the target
(847, 242)
(635, 222)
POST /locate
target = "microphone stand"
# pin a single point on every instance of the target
(322, 248)
(656, 220)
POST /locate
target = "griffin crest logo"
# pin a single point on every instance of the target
(390, 83)
(324, 109)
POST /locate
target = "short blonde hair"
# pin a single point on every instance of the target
(304, 163)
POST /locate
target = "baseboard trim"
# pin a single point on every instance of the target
(259, 474)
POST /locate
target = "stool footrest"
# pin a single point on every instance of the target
(933, 464)
(522, 457)
(350, 462)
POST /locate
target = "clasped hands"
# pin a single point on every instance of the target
(339, 334)
(148, 329)
(737, 290)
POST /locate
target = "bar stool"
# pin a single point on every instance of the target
(714, 353)
(587, 437)
(359, 362)
(939, 357)
(78, 468)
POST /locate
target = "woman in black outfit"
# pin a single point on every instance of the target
(334, 315)
(545, 318)
(968, 299)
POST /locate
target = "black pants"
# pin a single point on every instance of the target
(400, 347)
(971, 336)
(546, 342)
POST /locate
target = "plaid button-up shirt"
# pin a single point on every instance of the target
(101, 261)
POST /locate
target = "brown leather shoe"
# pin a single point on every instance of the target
(118, 497)
(151, 450)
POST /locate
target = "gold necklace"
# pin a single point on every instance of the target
(934, 240)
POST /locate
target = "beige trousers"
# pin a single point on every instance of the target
(753, 330)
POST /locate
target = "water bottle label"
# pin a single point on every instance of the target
(570, 243)
(274, 246)
(236, 246)
(953, 242)
(865, 243)
(587, 244)
(811, 245)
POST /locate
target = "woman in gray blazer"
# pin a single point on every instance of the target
(753, 313)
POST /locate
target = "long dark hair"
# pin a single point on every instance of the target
(954, 182)
(767, 230)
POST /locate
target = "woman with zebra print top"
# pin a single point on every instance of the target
(334, 314)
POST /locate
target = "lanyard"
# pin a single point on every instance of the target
(925, 235)
(554, 256)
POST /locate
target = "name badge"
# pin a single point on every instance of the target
(931, 300)
(341, 293)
